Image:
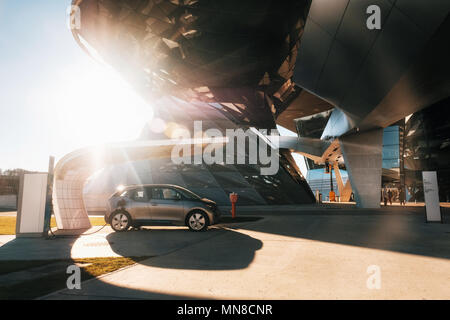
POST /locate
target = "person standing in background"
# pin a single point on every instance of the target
(390, 197)
(401, 196)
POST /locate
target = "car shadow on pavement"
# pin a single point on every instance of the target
(216, 249)
(220, 248)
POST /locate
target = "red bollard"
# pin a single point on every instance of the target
(233, 199)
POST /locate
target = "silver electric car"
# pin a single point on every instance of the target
(162, 204)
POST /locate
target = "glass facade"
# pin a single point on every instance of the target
(427, 148)
(420, 142)
(214, 181)
(391, 147)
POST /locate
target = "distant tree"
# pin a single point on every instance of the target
(15, 172)
(10, 180)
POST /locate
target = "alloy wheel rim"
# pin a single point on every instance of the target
(197, 221)
(120, 221)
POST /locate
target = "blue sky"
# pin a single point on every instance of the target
(35, 44)
(50, 89)
(54, 98)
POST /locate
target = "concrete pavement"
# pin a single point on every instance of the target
(106, 243)
(305, 256)
(8, 213)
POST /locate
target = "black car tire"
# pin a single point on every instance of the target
(123, 221)
(197, 221)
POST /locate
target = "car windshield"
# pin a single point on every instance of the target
(124, 193)
(189, 194)
(120, 193)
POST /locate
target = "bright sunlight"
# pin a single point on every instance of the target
(91, 104)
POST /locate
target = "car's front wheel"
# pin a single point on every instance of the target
(197, 221)
(120, 221)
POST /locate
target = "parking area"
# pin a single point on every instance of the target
(308, 255)
(302, 253)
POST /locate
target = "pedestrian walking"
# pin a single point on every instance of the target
(385, 196)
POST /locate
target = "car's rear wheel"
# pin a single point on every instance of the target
(120, 221)
(197, 221)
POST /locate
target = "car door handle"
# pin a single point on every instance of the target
(153, 204)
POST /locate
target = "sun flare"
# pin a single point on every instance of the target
(94, 105)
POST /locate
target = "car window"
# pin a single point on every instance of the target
(139, 195)
(154, 193)
(164, 194)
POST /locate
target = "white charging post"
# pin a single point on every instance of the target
(431, 193)
(31, 206)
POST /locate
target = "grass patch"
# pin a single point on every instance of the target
(30, 289)
(8, 224)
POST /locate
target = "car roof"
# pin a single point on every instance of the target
(133, 186)
(153, 185)
(150, 185)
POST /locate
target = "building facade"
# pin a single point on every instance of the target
(214, 181)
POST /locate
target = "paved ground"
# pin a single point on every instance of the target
(8, 213)
(309, 255)
(17, 277)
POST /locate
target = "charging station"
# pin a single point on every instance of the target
(35, 203)
(31, 206)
